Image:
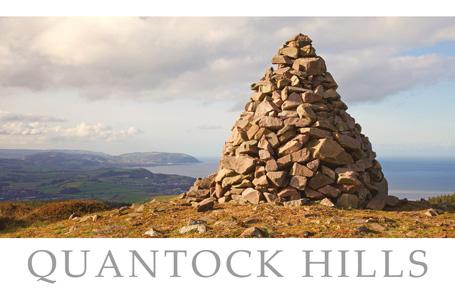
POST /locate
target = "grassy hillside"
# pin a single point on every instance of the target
(24, 182)
(16, 215)
(71, 159)
(167, 217)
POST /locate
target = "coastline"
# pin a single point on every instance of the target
(408, 178)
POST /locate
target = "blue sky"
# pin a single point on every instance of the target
(442, 48)
(178, 84)
(415, 123)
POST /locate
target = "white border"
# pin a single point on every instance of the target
(438, 258)
(227, 8)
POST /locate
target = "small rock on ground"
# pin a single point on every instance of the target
(296, 203)
(254, 232)
(199, 228)
(431, 213)
(327, 202)
(376, 227)
(152, 233)
(205, 205)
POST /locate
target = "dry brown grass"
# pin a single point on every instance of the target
(14, 215)
(230, 220)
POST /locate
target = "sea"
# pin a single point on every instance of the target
(408, 178)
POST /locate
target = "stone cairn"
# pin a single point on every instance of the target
(295, 143)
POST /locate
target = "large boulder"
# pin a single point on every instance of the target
(310, 65)
(206, 205)
(241, 165)
(289, 194)
(329, 151)
(348, 201)
(278, 178)
(251, 195)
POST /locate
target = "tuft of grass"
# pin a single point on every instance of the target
(14, 215)
(54, 211)
(443, 199)
(164, 197)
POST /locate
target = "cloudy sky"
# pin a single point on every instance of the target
(177, 84)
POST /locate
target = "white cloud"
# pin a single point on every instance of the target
(213, 58)
(45, 127)
(18, 128)
(367, 79)
(97, 131)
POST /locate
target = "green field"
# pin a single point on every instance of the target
(107, 184)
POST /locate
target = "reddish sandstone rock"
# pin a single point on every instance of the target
(251, 195)
(296, 139)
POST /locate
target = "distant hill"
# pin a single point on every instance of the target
(20, 154)
(20, 181)
(67, 174)
(66, 161)
(75, 159)
(154, 158)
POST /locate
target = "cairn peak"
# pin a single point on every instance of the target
(295, 142)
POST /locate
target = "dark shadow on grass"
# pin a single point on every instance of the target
(8, 225)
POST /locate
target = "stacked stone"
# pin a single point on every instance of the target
(296, 142)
